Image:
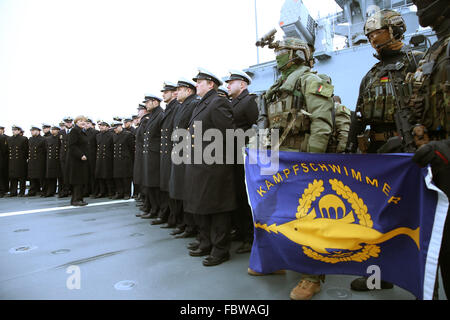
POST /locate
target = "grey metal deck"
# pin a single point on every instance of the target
(109, 244)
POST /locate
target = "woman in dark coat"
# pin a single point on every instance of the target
(77, 164)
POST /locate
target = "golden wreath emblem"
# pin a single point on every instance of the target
(329, 201)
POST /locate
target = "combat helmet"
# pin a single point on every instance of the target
(298, 49)
(429, 11)
(386, 19)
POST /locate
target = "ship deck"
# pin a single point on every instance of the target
(40, 238)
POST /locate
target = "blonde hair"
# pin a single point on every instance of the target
(80, 118)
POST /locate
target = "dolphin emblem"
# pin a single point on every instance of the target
(321, 234)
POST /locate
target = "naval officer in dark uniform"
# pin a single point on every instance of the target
(123, 160)
(104, 161)
(188, 99)
(151, 155)
(64, 189)
(17, 164)
(53, 164)
(169, 93)
(245, 114)
(209, 188)
(37, 153)
(139, 191)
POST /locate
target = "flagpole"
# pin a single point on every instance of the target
(257, 38)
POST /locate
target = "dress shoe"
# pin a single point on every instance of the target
(31, 194)
(254, 273)
(193, 245)
(211, 261)
(360, 284)
(42, 195)
(126, 198)
(199, 252)
(153, 215)
(62, 195)
(11, 195)
(185, 235)
(168, 226)
(176, 231)
(145, 216)
(48, 195)
(99, 196)
(158, 221)
(138, 215)
(245, 248)
(117, 197)
(79, 204)
(21, 195)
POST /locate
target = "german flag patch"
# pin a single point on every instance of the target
(384, 79)
(319, 89)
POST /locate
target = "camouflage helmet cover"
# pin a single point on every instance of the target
(297, 45)
(384, 19)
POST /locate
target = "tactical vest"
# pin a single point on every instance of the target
(287, 114)
(430, 99)
(379, 95)
(385, 89)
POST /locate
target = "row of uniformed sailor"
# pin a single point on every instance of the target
(200, 196)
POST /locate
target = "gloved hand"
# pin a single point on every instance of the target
(437, 154)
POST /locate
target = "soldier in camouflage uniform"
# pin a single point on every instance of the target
(431, 105)
(305, 98)
(383, 87)
(382, 92)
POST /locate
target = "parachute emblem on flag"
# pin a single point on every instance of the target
(338, 238)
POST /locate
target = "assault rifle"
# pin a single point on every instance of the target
(405, 141)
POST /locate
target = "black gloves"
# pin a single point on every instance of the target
(437, 154)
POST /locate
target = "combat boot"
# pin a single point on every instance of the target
(305, 290)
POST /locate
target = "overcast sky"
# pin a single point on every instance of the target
(99, 57)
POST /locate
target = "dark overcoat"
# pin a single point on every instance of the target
(53, 165)
(180, 121)
(92, 149)
(123, 154)
(63, 136)
(37, 154)
(166, 143)
(77, 147)
(18, 156)
(105, 152)
(209, 188)
(138, 149)
(151, 150)
(3, 153)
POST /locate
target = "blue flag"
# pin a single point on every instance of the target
(341, 214)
